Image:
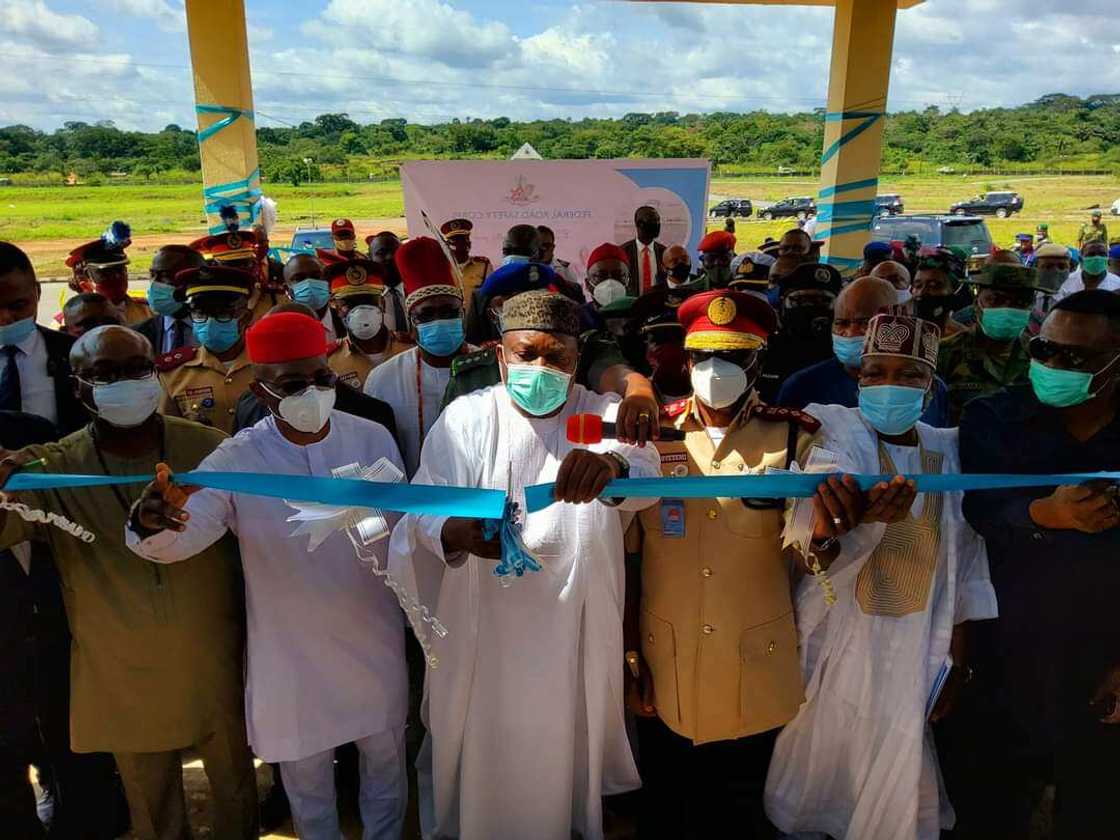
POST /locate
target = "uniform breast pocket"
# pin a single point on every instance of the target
(659, 648)
(744, 521)
(770, 686)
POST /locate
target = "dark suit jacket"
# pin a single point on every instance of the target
(71, 415)
(632, 251)
(250, 410)
(152, 329)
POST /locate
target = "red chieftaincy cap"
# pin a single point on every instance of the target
(425, 271)
(606, 251)
(285, 337)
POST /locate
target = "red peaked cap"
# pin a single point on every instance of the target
(607, 251)
(425, 271)
(285, 337)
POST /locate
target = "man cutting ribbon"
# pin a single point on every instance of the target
(325, 659)
(525, 709)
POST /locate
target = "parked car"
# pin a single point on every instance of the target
(1001, 204)
(889, 205)
(802, 208)
(308, 239)
(740, 207)
(935, 230)
(1116, 207)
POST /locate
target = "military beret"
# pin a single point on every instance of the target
(811, 276)
(541, 310)
(877, 250)
(717, 240)
(515, 278)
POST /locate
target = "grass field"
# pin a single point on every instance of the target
(48, 221)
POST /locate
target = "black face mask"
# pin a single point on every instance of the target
(680, 272)
(808, 322)
(936, 307)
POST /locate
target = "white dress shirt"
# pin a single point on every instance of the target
(328, 324)
(36, 387)
(1074, 283)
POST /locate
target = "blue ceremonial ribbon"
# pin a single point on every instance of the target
(869, 119)
(851, 186)
(516, 559)
(430, 500)
(232, 115)
(830, 210)
(802, 485)
(243, 194)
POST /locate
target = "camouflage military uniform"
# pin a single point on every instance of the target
(1092, 233)
(474, 371)
(973, 367)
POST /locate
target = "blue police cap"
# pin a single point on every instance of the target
(517, 277)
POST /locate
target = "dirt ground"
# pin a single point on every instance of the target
(54, 251)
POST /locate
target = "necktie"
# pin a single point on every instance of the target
(399, 319)
(10, 397)
(647, 270)
(178, 334)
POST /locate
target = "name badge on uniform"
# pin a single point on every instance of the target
(672, 518)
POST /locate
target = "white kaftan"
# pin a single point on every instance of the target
(858, 762)
(525, 709)
(394, 381)
(325, 649)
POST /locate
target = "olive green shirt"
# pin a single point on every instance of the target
(157, 651)
(973, 367)
(1090, 233)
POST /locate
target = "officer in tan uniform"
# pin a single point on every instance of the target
(240, 249)
(712, 662)
(102, 266)
(358, 299)
(204, 383)
(474, 270)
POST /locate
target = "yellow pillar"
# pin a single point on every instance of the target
(862, 42)
(223, 91)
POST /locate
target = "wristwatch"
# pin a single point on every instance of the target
(632, 663)
(622, 463)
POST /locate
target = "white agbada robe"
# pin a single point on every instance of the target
(858, 761)
(394, 381)
(525, 709)
(325, 649)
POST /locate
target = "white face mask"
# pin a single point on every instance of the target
(608, 292)
(902, 296)
(718, 383)
(127, 403)
(308, 411)
(364, 321)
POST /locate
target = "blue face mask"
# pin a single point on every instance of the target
(848, 349)
(440, 338)
(536, 389)
(891, 409)
(16, 331)
(312, 292)
(1004, 323)
(161, 297)
(217, 336)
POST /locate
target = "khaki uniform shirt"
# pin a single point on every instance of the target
(157, 650)
(135, 310)
(717, 620)
(353, 366)
(197, 386)
(474, 271)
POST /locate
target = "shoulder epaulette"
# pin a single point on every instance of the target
(778, 414)
(470, 361)
(169, 361)
(674, 409)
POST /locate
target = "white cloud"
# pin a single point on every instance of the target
(34, 24)
(169, 16)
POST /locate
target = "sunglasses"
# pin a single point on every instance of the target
(1068, 356)
(291, 386)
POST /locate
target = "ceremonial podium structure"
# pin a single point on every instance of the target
(862, 45)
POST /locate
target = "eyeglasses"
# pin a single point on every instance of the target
(1068, 356)
(222, 318)
(136, 371)
(290, 386)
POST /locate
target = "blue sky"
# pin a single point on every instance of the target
(431, 60)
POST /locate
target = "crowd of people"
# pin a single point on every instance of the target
(870, 663)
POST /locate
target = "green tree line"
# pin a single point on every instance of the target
(1055, 131)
